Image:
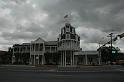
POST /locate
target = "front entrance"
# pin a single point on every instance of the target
(67, 58)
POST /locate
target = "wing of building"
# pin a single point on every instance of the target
(63, 51)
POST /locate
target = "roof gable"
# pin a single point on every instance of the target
(39, 40)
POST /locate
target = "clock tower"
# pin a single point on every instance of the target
(68, 44)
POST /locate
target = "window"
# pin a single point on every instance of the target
(41, 47)
(63, 36)
(72, 30)
(67, 42)
(72, 36)
(63, 31)
(78, 38)
(67, 36)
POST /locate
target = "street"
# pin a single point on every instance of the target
(35, 74)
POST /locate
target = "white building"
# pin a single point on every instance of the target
(65, 51)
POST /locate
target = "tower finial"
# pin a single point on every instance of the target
(67, 19)
(66, 16)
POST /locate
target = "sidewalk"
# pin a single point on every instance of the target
(49, 68)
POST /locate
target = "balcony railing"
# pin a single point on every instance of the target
(37, 52)
(68, 48)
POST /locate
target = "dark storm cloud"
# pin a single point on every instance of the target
(30, 32)
(105, 15)
(102, 14)
(29, 19)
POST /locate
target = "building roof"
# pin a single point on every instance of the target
(51, 43)
(26, 44)
(2, 53)
(16, 45)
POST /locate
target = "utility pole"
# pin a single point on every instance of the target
(111, 35)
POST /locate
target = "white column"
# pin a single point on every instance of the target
(30, 60)
(43, 48)
(38, 53)
(34, 54)
(25, 49)
(19, 49)
(60, 58)
(19, 53)
(70, 44)
(44, 52)
(42, 59)
(50, 49)
(99, 57)
(71, 57)
(65, 57)
(34, 59)
(13, 56)
(37, 59)
(86, 59)
(76, 60)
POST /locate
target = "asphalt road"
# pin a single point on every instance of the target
(33, 74)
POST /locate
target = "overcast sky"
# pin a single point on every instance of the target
(26, 20)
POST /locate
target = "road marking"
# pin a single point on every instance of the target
(120, 70)
(88, 71)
